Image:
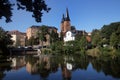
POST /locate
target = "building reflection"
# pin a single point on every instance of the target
(4, 66)
(45, 65)
(66, 73)
(17, 63)
(39, 65)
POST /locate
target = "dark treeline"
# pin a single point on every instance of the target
(108, 34)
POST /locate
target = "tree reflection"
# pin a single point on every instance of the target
(54, 61)
(4, 66)
(81, 62)
(109, 67)
(44, 65)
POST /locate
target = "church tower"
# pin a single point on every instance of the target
(65, 23)
(62, 23)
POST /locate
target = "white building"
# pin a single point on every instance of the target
(69, 36)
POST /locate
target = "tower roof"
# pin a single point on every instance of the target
(63, 19)
(67, 15)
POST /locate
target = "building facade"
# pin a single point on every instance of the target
(19, 38)
(33, 32)
(69, 36)
(67, 31)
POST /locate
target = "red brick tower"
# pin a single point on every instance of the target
(65, 23)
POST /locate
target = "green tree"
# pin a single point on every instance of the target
(83, 44)
(57, 47)
(53, 36)
(72, 47)
(32, 41)
(35, 6)
(43, 31)
(107, 30)
(61, 36)
(5, 40)
(96, 37)
(114, 40)
(78, 37)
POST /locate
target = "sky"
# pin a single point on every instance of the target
(84, 15)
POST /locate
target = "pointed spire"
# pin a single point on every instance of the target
(67, 15)
(63, 19)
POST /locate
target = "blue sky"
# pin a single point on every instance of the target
(84, 14)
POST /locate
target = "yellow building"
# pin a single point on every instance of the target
(32, 31)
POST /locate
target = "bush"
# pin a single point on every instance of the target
(57, 47)
(46, 51)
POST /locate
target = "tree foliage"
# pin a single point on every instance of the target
(43, 31)
(83, 44)
(53, 36)
(35, 6)
(58, 47)
(109, 34)
(96, 37)
(114, 39)
(107, 30)
(5, 40)
(73, 46)
(32, 41)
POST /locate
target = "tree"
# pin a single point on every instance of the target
(35, 6)
(107, 30)
(53, 36)
(96, 37)
(72, 46)
(43, 31)
(32, 41)
(83, 43)
(78, 37)
(58, 47)
(5, 40)
(114, 40)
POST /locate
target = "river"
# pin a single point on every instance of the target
(60, 67)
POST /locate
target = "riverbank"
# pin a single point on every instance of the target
(103, 52)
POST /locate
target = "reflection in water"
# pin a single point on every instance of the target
(66, 73)
(63, 66)
(4, 67)
(110, 67)
(18, 62)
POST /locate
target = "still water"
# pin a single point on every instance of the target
(46, 67)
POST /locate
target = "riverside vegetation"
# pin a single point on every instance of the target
(105, 43)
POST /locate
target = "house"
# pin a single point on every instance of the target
(18, 37)
(69, 36)
(33, 32)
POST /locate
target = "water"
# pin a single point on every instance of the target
(59, 68)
